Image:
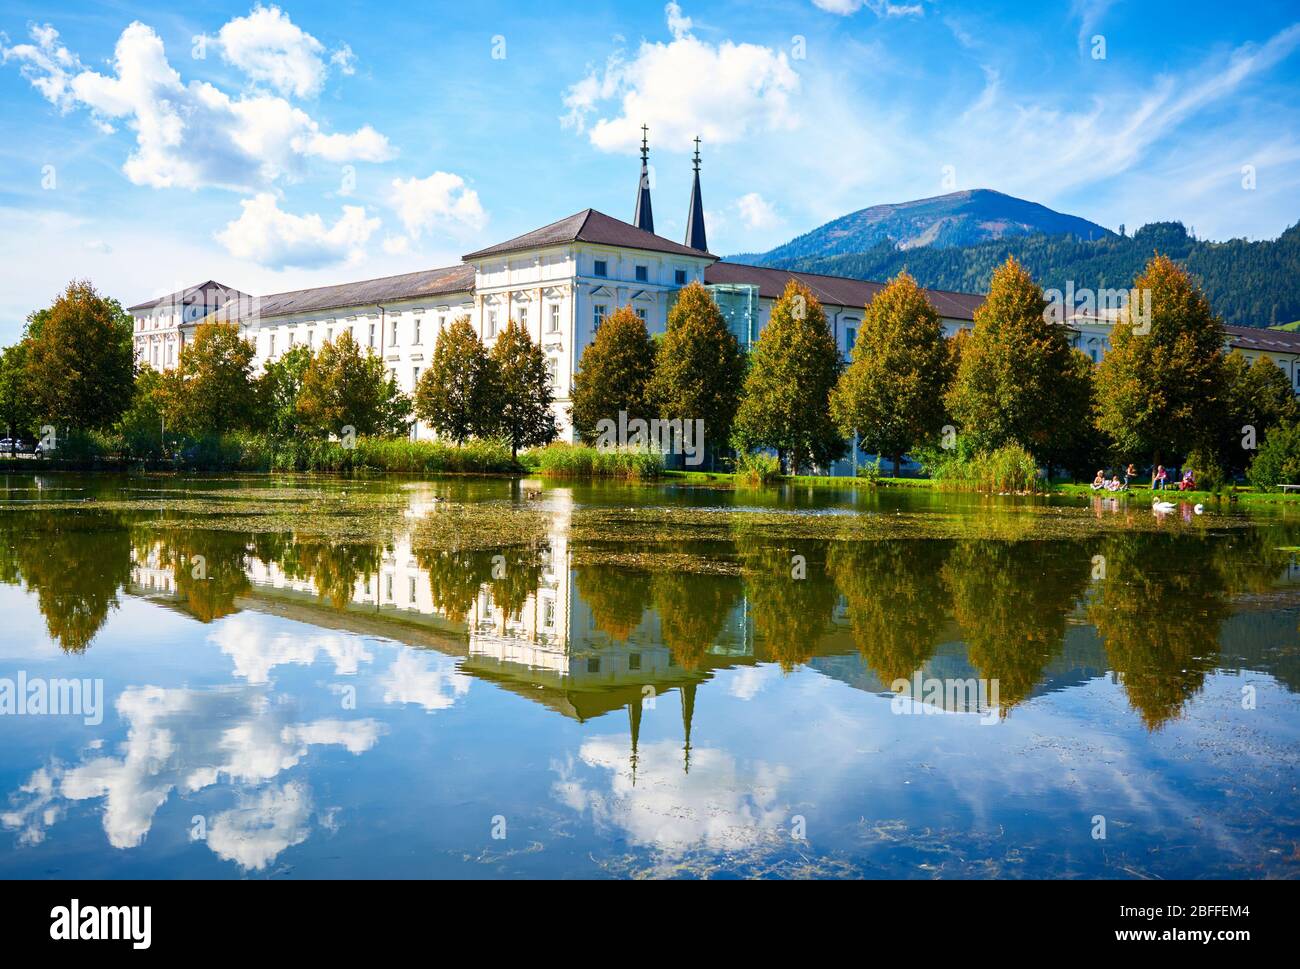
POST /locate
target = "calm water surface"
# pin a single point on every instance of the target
(324, 679)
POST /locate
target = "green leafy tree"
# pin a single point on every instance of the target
(613, 374)
(1278, 461)
(80, 360)
(1259, 398)
(699, 367)
(211, 391)
(1160, 387)
(520, 391)
(785, 403)
(1017, 382)
(345, 387)
(143, 426)
(454, 394)
(17, 415)
(279, 387)
(891, 395)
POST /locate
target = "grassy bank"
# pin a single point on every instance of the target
(579, 461)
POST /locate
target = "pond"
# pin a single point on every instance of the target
(298, 677)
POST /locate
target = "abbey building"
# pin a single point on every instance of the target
(559, 282)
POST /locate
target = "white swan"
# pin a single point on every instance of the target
(1157, 505)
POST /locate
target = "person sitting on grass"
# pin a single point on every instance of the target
(1189, 481)
(1099, 482)
(1114, 484)
(1158, 479)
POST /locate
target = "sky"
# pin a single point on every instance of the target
(270, 147)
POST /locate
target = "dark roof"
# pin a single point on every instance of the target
(367, 292)
(835, 290)
(1264, 341)
(190, 294)
(589, 226)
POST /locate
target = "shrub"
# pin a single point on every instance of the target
(870, 472)
(758, 467)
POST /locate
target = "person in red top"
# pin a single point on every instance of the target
(1158, 479)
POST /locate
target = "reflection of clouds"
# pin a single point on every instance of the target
(720, 805)
(253, 834)
(258, 644)
(187, 740)
(747, 682)
(429, 679)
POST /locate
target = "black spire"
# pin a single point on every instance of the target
(688, 714)
(695, 217)
(644, 217)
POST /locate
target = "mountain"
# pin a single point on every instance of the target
(946, 221)
(1249, 283)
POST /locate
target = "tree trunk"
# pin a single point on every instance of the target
(898, 463)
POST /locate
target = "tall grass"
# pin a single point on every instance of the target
(580, 461)
(1009, 469)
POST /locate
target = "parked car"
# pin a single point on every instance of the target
(10, 445)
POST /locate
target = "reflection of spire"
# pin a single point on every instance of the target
(644, 218)
(695, 217)
(688, 713)
(634, 718)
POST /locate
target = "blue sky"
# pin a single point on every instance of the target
(272, 147)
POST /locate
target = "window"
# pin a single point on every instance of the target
(311, 337)
(491, 329)
(329, 334)
(548, 612)
(271, 351)
(415, 377)
(850, 338)
(388, 587)
(410, 590)
(601, 268)
(555, 318)
(442, 323)
(291, 337)
(679, 277)
(372, 334)
(640, 313)
(523, 319)
(634, 661)
(416, 337)
(593, 664)
(552, 370)
(392, 332)
(642, 274)
(598, 314)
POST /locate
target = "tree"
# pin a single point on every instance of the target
(143, 425)
(1259, 398)
(891, 395)
(613, 374)
(453, 395)
(279, 387)
(699, 367)
(17, 416)
(1017, 381)
(1161, 384)
(785, 403)
(520, 391)
(80, 359)
(343, 387)
(211, 391)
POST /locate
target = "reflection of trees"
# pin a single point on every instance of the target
(617, 598)
(209, 586)
(74, 561)
(692, 611)
(1158, 612)
(333, 567)
(512, 574)
(790, 615)
(897, 601)
(1011, 599)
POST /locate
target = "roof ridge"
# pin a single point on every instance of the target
(358, 282)
(851, 279)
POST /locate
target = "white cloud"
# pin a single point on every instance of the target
(269, 236)
(187, 135)
(682, 89)
(756, 212)
(881, 8)
(344, 60)
(429, 680)
(271, 49)
(254, 834)
(440, 201)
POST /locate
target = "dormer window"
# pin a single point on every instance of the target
(601, 268)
